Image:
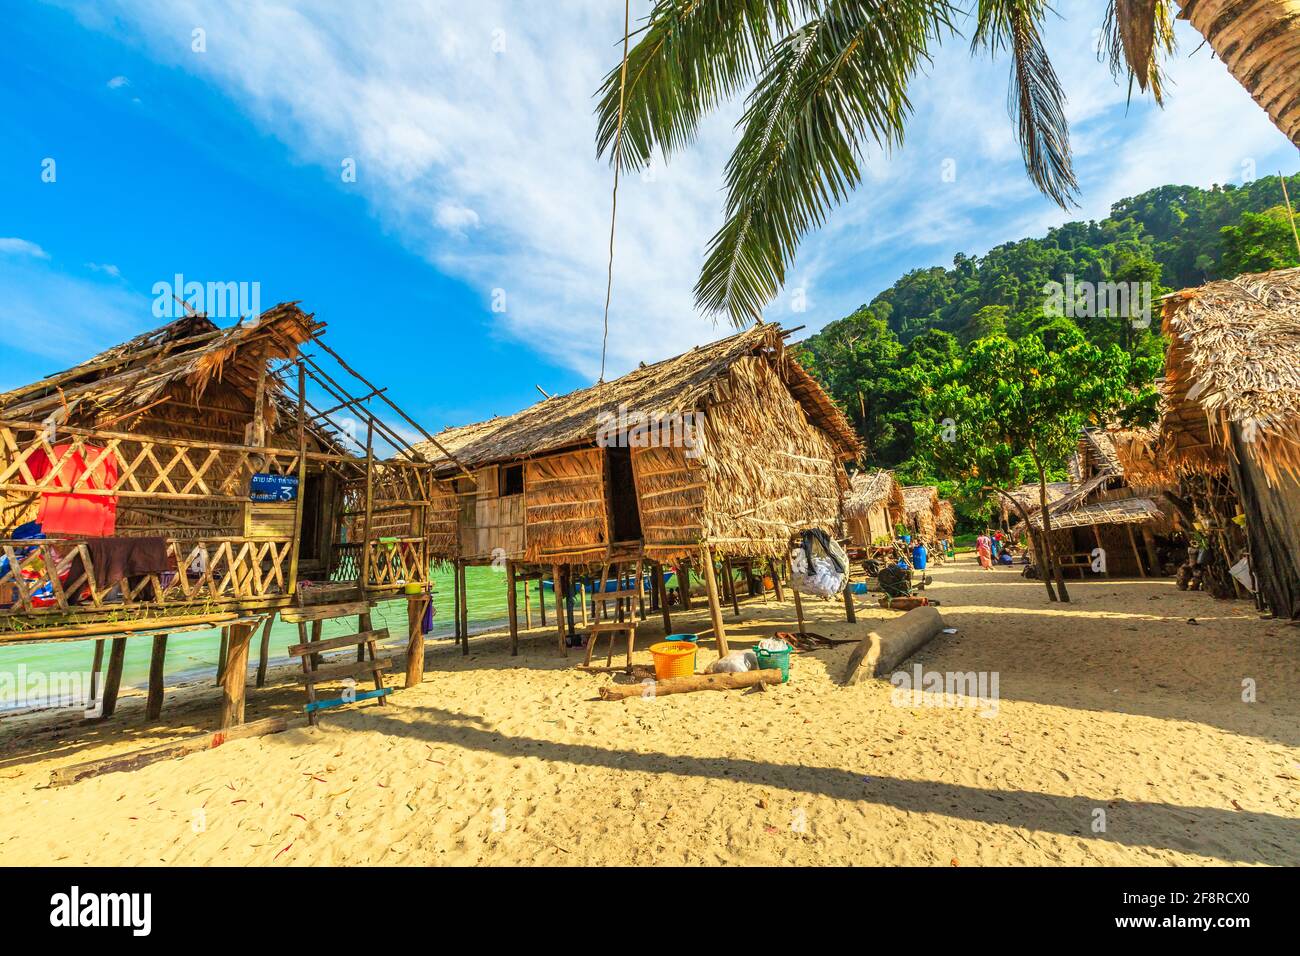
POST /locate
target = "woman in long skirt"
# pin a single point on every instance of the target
(984, 548)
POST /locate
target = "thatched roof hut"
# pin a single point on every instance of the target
(732, 445)
(1232, 391)
(921, 510)
(1029, 498)
(873, 506)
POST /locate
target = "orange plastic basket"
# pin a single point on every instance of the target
(673, 659)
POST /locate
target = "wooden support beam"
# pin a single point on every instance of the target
(223, 651)
(715, 607)
(264, 653)
(113, 676)
(1149, 539)
(730, 571)
(1132, 540)
(559, 609)
(512, 607)
(232, 695)
(415, 605)
(684, 583)
(798, 602)
(153, 705)
(661, 588)
(464, 611)
(850, 614)
(528, 606)
(775, 571)
(640, 586)
(96, 663)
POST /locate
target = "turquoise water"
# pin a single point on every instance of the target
(27, 672)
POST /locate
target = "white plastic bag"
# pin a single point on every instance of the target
(737, 662)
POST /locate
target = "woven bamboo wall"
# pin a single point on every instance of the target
(565, 516)
(670, 492)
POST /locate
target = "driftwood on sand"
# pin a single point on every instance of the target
(684, 685)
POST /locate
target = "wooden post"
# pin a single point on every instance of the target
(222, 653)
(640, 586)
(684, 583)
(568, 598)
(662, 589)
(1153, 557)
(559, 608)
(415, 604)
(512, 606)
(96, 663)
(232, 697)
(153, 705)
(730, 571)
(317, 629)
(1096, 536)
(464, 611)
(370, 503)
(455, 599)
(850, 614)
(776, 579)
(528, 607)
(265, 651)
(715, 608)
(1132, 540)
(541, 599)
(297, 510)
(798, 601)
(113, 676)
(582, 596)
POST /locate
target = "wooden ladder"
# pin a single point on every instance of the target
(314, 668)
(623, 599)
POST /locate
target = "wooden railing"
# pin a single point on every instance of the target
(393, 562)
(57, 575)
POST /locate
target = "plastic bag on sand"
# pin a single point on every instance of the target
(737, 662)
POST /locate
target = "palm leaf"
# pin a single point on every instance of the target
(824, 89)
(1136, 36)
(1035, 100)
(691, 56)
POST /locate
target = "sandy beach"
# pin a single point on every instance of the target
(1120, 737)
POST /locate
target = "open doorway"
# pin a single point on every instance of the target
(309, 535)
(624, 516)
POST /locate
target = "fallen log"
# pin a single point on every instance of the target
(63, 776)
(684, 685)
(891, 642)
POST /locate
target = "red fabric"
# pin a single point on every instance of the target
(76, 514)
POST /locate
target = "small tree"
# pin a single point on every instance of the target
(1005, 408)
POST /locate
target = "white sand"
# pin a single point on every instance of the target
(1114, 703)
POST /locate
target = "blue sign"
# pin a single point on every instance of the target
(266, 487)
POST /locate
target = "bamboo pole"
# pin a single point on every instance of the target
(662, 588)
(297, 509)
(1132, 540)
(729, 570)
(559, 608)
(528, 607)
(464, 611)
(265, 650)
(364, 583)
(798, 601)
(415, 638)
(715, 608)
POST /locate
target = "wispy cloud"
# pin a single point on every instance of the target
(21, 247)
(107, 268)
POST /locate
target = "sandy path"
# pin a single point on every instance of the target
(1114, 703)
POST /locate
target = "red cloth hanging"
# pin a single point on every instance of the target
(77, 514)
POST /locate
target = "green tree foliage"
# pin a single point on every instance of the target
(1261, 242)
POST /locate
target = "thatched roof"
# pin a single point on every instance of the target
(1142, 458)
(674, 386)
(1028, 496)
(871, 489)
(917, 498)
(1115, 511)
(189, 354)
(1234, 359)
(945, 523)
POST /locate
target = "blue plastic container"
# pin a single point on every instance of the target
(692, 638)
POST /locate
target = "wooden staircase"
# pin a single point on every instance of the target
(316, 669)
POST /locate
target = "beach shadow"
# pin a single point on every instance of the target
(1239, 836)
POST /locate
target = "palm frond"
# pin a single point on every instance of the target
(1035, 100)
(1136, 36)
(825, 88)
(691, 56)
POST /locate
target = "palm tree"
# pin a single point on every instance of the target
(825, 77)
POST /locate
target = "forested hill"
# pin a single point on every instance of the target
(1171, 237)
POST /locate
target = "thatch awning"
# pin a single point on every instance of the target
(1234, 360)
(872, 489)
(921, 498)
(946, 521)
(1142, 457)
(1114, 511)
(674, 386)
(1028, 496)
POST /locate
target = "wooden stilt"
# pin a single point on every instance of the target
(1096, 536)
(684, 584)
(415, 604)
(850, 614)
(798, 602)
(568, 598)
(582, 596)
(776, 580)
(559, 609)
(528, 606)
(1153, 557)
(715, 607)
(730, 571)
(232, 697)
(512, 607)
(640, 586)
(222, 653)
(113, 676)
(153, 705)
(541, 601)
(1132, 540)
(264, 653)
(317, 629)
(455, 598)
(464, 612)
(96, 663)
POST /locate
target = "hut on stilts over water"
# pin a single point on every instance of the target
(1230, 432)
(873, 508)
(721, 454)
(921, 512)
(1096, 525)
(190, 479)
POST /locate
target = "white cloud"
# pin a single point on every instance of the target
(65, 318)
(21, 247)
(472, 127)
(117, 82)
(107, 268)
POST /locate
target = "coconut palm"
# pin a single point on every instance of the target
(824, 78)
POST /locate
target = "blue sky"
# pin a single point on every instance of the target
(470, 128)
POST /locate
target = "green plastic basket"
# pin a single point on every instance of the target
(768, 659)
